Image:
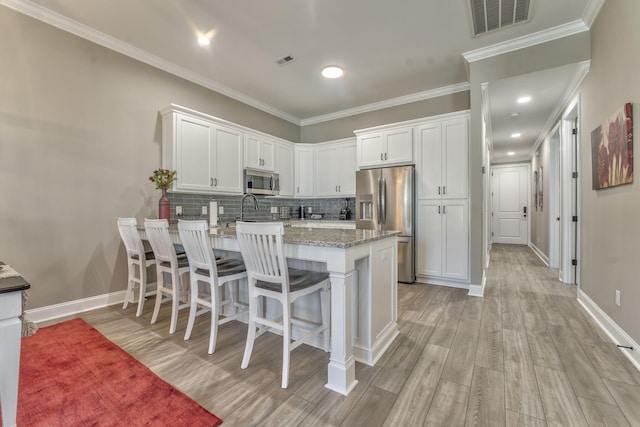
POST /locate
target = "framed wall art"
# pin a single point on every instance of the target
(612, 150)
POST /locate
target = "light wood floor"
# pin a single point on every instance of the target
(524, 355)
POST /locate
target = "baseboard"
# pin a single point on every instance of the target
(478, 290)
(52, 312)
(540, 254)
(440, 282)
(611, 328)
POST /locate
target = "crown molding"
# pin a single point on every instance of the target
(40, 13)
(393, 102)
(529, 40)
(591, 11)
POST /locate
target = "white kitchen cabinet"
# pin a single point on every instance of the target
(284, 166)
(206, 155)
(304, 170)
(259, 153)
(442, 244)
(385, 148)
(443, 148)
(335, 167)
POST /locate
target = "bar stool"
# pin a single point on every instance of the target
(167, 263)
(262, 248)
(204, 269)
(138, 260)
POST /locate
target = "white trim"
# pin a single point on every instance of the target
(611, 328)
(414, 122)
(52, 312)
(441, 282)
(565, 99)
(540, 254)
(393, 102)
(529, 40)
(383, 342)
(478, 290)
(591, 11)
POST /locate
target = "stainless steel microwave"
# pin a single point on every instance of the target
(261, 182)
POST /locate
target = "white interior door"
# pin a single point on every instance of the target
(510, 204)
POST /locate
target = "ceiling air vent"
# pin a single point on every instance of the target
(489, 15)
(284, 60)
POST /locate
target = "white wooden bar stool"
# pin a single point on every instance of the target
(214, 274)
(167, 265)
(262, 249)
(138, 260)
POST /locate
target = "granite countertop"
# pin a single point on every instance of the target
(13, 284)
(323, 237)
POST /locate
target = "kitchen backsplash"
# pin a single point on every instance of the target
(192, 207)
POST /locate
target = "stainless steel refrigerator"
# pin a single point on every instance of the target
(385, 201)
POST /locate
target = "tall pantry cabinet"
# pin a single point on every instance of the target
(442, 199)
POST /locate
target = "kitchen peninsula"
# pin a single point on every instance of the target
(362, 265)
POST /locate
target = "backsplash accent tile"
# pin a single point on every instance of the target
(192, 207)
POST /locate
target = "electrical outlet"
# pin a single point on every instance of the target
(178, 210)
(618, 298)
(274, 209)
(204, 210)
(220, 210)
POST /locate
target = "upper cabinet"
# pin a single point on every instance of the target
(284, 166)
(335, 169)
(443, 148)
(206, 155)
(386, 147)
(259, 153)
(304, 170)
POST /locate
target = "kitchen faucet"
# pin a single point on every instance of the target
(255, 204)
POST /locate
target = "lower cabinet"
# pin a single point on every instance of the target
(442, 244)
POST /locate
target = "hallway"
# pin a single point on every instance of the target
(524, 355)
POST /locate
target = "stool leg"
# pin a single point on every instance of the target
(193, 308)
(215, 304)
(130, 284)
(251, 331)
(142, 288)
(286, 341)
(175, 301)
(159, 291)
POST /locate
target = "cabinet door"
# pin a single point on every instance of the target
(455, 140)
(284, 167)
(268, 155)
(371, 150)
(429, 238)
(228, 161)
(455, 239)
(347, 159)
(193, 154)
(252, 157)
(399, 146)
(304, 172)
(327, 171)
(430, 141)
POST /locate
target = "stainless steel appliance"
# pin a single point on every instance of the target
(261, 182)
(385, 201)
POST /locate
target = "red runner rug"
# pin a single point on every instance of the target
(71, 375)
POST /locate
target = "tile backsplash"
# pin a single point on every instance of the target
(192, 207)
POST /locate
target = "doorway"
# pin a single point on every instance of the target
(510, 204)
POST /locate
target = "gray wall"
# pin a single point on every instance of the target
(540, 215)
(79, 135)
(609, 227)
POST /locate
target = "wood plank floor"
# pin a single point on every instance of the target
(524, 355)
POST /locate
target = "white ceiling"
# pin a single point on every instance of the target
(392, 52)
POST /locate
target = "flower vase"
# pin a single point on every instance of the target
(164, 206)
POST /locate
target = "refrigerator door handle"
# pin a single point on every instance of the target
(383, 201)
(379, 204)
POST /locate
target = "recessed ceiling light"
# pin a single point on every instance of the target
(204, 41)
(524, 99)
(516, 135)
(332, 72)
(511, 153)
(514, 114)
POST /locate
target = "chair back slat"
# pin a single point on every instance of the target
(157, 231)
(128, 228)
(194, 236)
(262, 249)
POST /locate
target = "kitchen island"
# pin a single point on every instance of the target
(362, 266)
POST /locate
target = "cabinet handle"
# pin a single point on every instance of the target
(444, 209)
(438, 209)
(385, 156)
(215, 182)
(211, 179)
(444, 190)
(381, 156)
(336, 188)
(438, 190)
(339, 188)
(297, 189)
